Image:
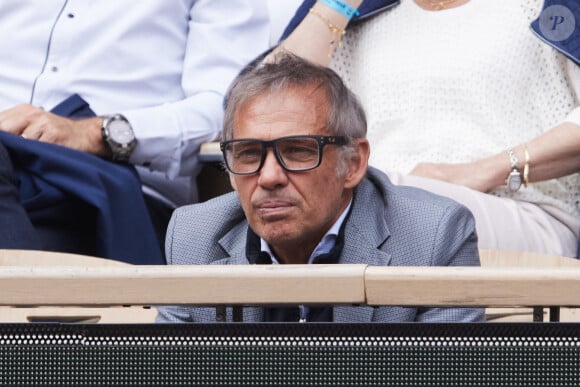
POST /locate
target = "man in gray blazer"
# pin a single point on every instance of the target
(295, 148)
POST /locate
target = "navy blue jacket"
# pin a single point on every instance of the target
(65, 188)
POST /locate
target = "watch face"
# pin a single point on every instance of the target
(120, 131)
(514, 181)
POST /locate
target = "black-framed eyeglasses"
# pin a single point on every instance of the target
(294, 153)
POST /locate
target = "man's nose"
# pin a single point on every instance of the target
(272, 174)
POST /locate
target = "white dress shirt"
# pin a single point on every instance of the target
(164, 64)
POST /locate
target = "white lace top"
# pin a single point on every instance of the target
(460, 85)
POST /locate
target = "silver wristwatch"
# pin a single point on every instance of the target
(119, 137)
(514, 177)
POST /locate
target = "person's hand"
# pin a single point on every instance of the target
(466, 174)
(33, 123)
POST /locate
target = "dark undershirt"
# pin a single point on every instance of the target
(292, 314)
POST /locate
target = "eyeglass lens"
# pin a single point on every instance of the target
(295, 154)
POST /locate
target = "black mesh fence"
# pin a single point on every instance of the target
(485, 354)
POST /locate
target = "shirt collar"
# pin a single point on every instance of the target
(324, 246)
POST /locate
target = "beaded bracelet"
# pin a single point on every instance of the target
(336, 31)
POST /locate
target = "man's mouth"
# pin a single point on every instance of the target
(274, 208)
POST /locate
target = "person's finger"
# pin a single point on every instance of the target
(16, 119)
(31, 132)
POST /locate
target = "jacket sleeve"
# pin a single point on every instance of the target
(456, 245)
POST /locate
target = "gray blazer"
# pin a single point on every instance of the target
(389, 225)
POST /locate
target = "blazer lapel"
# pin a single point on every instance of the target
(366, 231)
(234, 243)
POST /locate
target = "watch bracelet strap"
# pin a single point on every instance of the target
(514, 171)
(514, 162)
(121, 154)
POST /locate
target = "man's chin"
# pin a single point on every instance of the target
(277, 236)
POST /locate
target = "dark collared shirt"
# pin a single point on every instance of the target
(295, 313)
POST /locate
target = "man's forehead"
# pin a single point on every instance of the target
(308, 92)
(284, 110)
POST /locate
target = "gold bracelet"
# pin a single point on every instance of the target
(526, 166)
(337, 31)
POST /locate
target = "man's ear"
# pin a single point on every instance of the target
(358, 165)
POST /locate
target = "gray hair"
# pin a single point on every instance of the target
(346, 117)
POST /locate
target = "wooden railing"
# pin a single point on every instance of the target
(39, 278)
